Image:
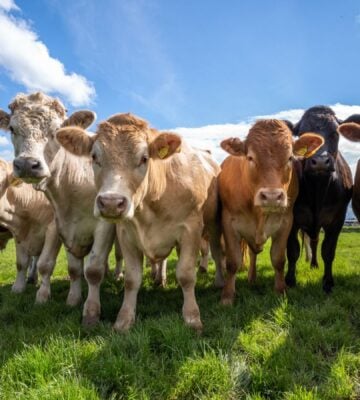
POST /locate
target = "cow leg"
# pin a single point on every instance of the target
(204, 252)
(75, 268)
(47, 261)
(186, 276)
(328, 249)
(293, 253)
(94, 270)
(233, 257)
(161, 277)
(133, 276)
(22, 262)
(252, 268)
(277, 254)
(32, 276)
(314, 245)
(218, 255)
(119, 274)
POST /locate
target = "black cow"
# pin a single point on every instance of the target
(325, 188)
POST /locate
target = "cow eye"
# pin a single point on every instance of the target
(144, 159)
(12, 130)
(249, 158)
(95, 159)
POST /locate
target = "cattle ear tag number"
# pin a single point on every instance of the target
(302, 151)
(163, 152)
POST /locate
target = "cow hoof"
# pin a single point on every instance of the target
(123, 325)
(290, 282)
(227, 301)
(73, 300)
(195, 324)
(328, 285)
(160, 283)
(202, 269)
(42, 295)
(280, 289)
(89, 321)
(17, 288)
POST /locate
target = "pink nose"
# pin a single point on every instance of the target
(270, 198)
(111, 205)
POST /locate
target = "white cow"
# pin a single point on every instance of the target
(67, 181)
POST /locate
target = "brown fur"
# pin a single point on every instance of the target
(75, 140)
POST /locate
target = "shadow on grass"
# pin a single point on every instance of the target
(299, 336)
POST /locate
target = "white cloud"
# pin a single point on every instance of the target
(4, 141)
(27, 61)
(8, 5)
(209, 137)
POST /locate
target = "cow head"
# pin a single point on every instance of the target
(32, 123)
(124, 150)
(269, 150)
(322, 121)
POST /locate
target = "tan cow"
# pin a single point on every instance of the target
(67, 181)
(162, 194)
(28, 215)
(258, 187)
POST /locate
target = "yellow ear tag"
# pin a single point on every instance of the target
(302, 151)
(163, 152)
(15, 181)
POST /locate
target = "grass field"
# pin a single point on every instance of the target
(305, 345)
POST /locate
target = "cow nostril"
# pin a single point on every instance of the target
(263, 196)
(327, 161)
(313, 162)
(100, 202)
(35, 165)
(279, 196)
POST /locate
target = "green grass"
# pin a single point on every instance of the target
(305, 345)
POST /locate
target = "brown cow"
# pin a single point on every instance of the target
(258, 187)
(162, 194)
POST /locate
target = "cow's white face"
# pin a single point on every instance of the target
(33, 136)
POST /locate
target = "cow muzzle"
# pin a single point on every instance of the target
(111, 206)
(270, 198)
(320, 164)
(29, 169)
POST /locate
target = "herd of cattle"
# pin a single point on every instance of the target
(150, 192)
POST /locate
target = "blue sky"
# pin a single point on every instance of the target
(194, 63)
(206, 69)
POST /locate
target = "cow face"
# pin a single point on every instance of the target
(322, 121)
(268, 151)
(32, 123)
(123, 150)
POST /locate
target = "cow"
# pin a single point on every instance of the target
(258, 186)
(325, 188)
(67, 181)
(350, 129)
(160, 192)
(28, 215)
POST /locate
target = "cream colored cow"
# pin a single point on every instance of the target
(161, 193)
(28, 215)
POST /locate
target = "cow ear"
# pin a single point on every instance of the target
(83, 119)
(165, 145)
(75, 140)
(233, 146)
(350, 130)
(4, 120)
(307, 145)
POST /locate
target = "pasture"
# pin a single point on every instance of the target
(305, 345)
